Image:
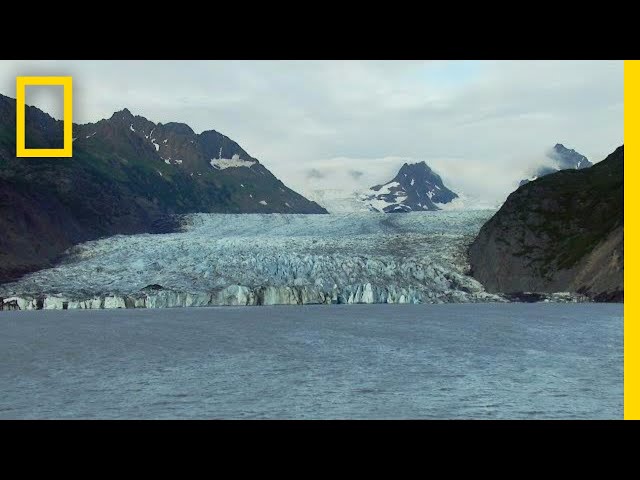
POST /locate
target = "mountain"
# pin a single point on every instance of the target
(561, 158)
(415, 188)
(127, 175)
(560, 233)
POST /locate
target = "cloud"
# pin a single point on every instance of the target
(315, 173)
(331, 174)
(480, 124)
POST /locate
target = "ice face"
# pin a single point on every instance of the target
(255, 259)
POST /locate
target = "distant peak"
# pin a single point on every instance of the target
(562, 158)
(422, 165)
(212, 133)
(124, 113)
(562, 149)
(179, 128)
(415, 188)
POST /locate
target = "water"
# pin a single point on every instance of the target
(320, 362)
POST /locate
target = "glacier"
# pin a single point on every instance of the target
(266, 259)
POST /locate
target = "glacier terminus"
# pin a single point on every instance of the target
(266, 259)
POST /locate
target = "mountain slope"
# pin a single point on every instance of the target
(126, 175)
(562, 232)
(560, 158)
(415, 188)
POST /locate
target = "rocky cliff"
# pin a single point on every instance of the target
(561, 232)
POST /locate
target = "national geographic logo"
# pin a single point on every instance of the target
(67, 146)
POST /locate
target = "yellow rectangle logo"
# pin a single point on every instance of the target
(66, 150)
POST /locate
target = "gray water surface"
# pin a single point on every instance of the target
(315, 362)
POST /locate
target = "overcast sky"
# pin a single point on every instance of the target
(344, 124)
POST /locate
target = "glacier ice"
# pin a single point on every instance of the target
(266, 259)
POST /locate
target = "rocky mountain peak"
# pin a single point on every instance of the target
(178, 128)
(413, 167)
(558, 158)
(417, 171)
(122, 115)
(568, 158)
(416, 187)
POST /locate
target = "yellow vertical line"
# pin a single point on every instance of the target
(631, 174)
(20, 126)
(68, 116)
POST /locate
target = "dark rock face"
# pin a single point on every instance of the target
(127, 175)
(560, 233)
(415, 188)
(561, 158)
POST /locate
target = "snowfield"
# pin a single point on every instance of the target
(235, 161)
(338, 201)
(254, 259)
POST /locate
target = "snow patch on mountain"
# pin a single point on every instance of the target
(233, 162)
(339, 201)
(416, 187)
